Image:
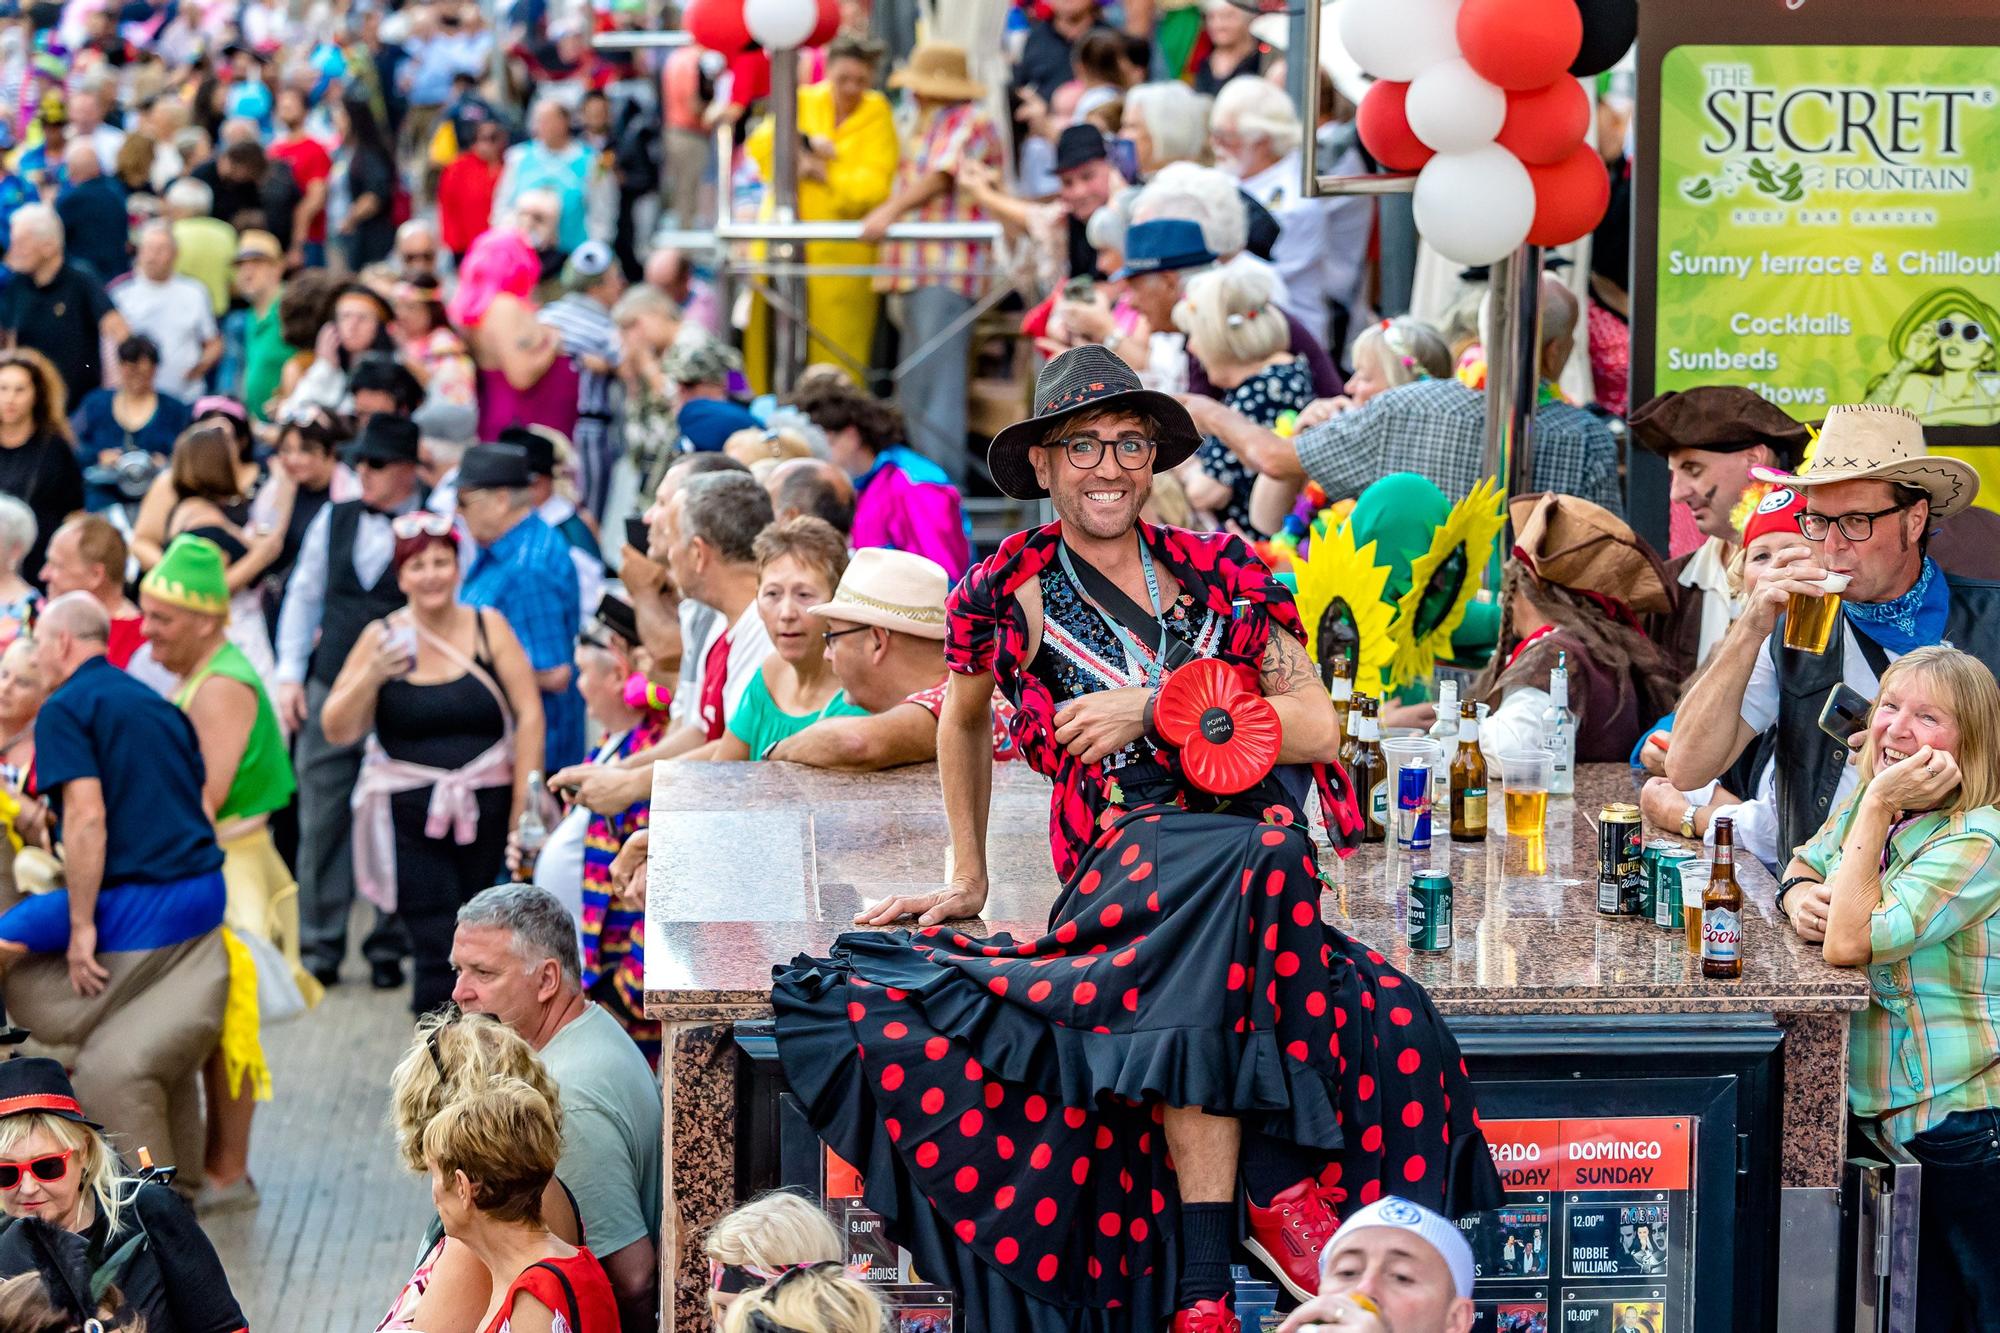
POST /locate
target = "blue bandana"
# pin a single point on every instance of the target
(1910, 621)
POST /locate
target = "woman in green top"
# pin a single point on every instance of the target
(1904, 880)
(799, 564)
(185, 604)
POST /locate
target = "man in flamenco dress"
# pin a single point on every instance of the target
(1076, 1132)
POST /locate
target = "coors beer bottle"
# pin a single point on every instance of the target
(1722, 910)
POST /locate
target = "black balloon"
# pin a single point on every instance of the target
(1608, 29)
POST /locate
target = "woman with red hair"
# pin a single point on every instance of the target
(524, 378)
(445, 697)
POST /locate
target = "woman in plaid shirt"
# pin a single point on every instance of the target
(1904, 880)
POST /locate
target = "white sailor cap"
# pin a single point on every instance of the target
(1436, 1230)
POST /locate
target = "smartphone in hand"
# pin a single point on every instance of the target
(1844, 713)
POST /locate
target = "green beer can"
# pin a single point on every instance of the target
(1428, 927)
(1667, 914)
(1649, 874)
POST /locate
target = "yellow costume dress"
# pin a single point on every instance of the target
(860, 176)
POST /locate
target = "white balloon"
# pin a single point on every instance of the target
(1398, 39)
(780, 25)
(1474, 207)
(1452, 109)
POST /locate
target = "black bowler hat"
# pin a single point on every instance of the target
(1087, 379)
(384, 439)
(537, 444)
(493, 467)
(33, 1084)
(1079, 146)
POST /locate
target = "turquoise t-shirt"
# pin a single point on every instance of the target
(760, 724)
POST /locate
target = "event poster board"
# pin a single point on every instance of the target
(1596, 1235)
(914, 1305)
(1850, 153)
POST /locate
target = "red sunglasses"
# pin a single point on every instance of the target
(52, 1167)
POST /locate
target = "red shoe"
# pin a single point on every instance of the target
(1207, 1317)
(1289, 1235)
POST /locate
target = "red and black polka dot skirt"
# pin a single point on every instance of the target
(1003, 1099)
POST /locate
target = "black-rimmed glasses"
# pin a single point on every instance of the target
(830, 635)
(1854, 527)
(1133, 452)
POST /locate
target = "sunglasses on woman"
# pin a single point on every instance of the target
(50, 1168)
(420, 523)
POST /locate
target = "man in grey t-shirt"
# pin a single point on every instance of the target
(515, 954)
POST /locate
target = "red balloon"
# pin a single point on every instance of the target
(828, 26)
(1570, 197)
(1385, 130)
(1544, 124)
(1520, 44)
(717, 25)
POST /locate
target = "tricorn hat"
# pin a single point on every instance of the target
(1720, 418)
(1863, 442)
(1570, 542)
(1087, 379)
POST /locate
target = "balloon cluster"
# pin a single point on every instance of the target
(1481, 98)
(734, 26)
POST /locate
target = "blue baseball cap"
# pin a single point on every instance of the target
(1163, 245)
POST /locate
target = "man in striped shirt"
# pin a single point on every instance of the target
(592, 283)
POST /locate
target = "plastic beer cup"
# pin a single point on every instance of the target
(1809, 620)
(1524, 779)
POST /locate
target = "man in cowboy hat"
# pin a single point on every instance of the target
(1091, 448)
(1873, 494)
(1711, 436)
(932, 297)
(885, 642)
(185, 600)
(341, 582)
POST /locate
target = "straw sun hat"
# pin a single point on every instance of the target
(940, 71)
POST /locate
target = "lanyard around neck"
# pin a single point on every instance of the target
(1124, 636)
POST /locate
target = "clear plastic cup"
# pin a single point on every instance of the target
(1809, 620)
(1524, 780)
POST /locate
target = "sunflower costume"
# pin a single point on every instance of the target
(1443, 581)
(1343, 596)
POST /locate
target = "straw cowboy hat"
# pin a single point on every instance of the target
(1863, 442)
(1586, 548)
(892, 590)
(940, 71)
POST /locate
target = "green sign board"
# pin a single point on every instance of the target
(1829, 229)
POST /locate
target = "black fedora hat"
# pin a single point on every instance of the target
(494, 467)
(1087, 379)
(33, 1084)
(384, 439)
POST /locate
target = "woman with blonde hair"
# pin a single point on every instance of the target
(1904, 880)
(57, 1166)
(819, 1298)
(1237, 330)
(763, 1240)
(451, 1056)
(492, 1155)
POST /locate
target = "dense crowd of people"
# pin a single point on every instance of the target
(383, 514)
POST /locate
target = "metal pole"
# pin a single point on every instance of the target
(788, 340)
(1302, 75)
(1513, 354)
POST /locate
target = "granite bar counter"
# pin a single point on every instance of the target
(754, 864)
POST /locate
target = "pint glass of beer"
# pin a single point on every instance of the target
(1809, 620)
(1694, 888)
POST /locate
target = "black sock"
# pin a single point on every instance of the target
(1207, 1241)
(1270, 1168)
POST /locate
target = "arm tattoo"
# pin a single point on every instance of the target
(1286, 669)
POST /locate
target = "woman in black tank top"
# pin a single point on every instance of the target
(456, 723)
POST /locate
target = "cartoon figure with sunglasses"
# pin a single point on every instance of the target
(1947, 370)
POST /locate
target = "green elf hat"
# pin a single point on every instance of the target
(190, 574)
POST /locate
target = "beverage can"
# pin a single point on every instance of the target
(1620, 860)
(1667, 867)
(1428, 924)
(1413, 807)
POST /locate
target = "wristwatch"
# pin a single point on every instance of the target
(1791, 884)
(1687, 821)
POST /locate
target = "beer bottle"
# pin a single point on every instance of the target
(1341, 686)
(1370, 774)
(1722, 910)
(1468, 778)
(1350, 740)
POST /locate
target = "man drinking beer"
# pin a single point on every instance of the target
(1874, 493)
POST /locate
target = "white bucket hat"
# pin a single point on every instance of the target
(892, 590)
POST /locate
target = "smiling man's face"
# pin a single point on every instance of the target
(1102, 501)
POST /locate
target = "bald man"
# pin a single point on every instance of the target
(121, 972)
(812, 486)
(1436, 428)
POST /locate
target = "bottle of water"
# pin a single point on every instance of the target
(1444, 735)
(1559, 731)
(532, 832)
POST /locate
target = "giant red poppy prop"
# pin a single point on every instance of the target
(1225, 730)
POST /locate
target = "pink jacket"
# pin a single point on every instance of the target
(906, 503)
